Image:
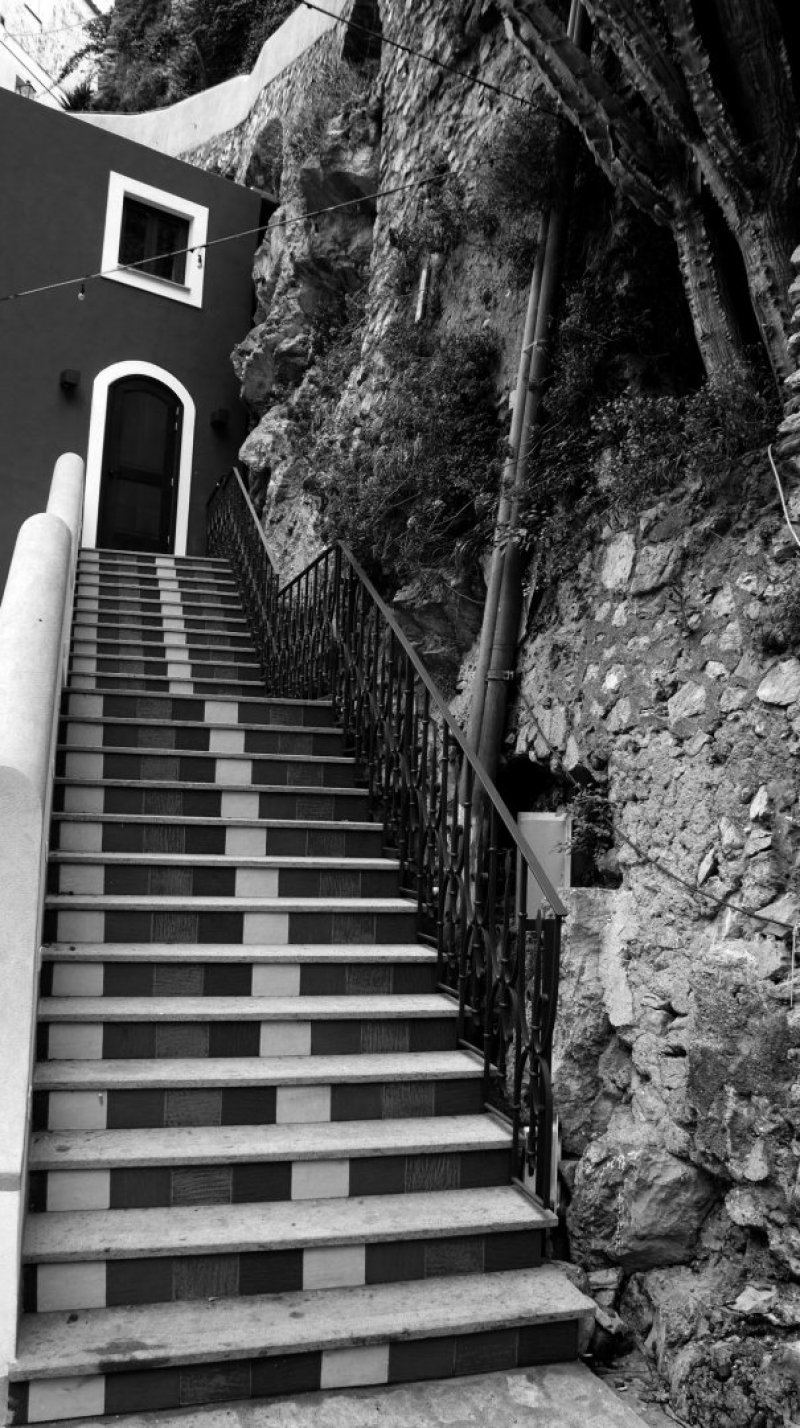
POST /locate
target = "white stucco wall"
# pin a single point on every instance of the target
(180, 127)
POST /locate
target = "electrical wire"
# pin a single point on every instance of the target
(226, 238)
(420, 54)
(779, 485)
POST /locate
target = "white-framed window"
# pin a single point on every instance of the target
(148, 239)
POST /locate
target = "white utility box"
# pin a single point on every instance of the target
(549, 837)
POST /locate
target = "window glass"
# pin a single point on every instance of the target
(147, 238)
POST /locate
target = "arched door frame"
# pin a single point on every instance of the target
(97, 430)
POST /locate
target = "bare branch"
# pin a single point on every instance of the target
(633, 35)
(723, 157)
(622, 148)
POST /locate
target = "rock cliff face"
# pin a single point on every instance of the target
(660, 672)
(667, 660)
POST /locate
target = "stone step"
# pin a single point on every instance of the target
(106, 1028)
(122, 1360)
(165, 685)
(193, 766)
(189, 736)
(180, 604)
(155, 623)
(229, 802)
(138, 833)
(231, 1165)
(210, 588)
(154, 918)
(101, 555)
(172, 629)
(107, 577)
(94, 1258)
(144, 969)
(224, 709)
(180, 666)
(130, 1095)
(146, 874)
(170, 645)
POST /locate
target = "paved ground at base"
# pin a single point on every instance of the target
(556, 1396)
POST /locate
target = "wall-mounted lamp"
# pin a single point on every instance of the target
(219, 419)
(69, 379)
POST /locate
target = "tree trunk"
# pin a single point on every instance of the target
(766, 246)
(716, 330)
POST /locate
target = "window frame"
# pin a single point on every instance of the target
(190, 291)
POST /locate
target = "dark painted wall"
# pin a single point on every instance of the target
(53, 188)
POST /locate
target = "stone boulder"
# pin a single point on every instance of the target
(634, 1204)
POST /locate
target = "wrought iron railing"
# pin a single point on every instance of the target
(234, 530)
(330, 635)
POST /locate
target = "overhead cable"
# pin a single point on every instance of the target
(83, 278)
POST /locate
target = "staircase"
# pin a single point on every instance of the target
(235, 1018)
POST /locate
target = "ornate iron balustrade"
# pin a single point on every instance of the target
(461, 856)
(233, 530)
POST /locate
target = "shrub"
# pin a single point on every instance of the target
(515, 185)
(406, 488)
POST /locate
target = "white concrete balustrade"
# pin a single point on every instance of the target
(34, 625)
(178, 128)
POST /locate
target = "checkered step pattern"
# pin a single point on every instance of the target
(236, 1017)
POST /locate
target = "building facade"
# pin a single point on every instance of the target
(123, 352)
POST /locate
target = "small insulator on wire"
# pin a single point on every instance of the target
(81, 292)
(199, 260)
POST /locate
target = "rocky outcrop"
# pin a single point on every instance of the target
(304, 271)
(678, 1039)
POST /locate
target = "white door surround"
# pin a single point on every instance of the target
(97, 429)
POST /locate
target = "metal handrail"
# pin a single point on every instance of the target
(506, 818)
(328, 634)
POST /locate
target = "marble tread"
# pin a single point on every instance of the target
(291, 1224)
(154, 902)
(322, 1140)
(227, 860)
(564, 1395)
(327, 1008)
(191, 1074)
(205, 1331)
(290, 953)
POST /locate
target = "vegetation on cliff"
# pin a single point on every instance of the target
(152, 52)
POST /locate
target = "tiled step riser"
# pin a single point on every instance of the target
(112, 1040)
(197, 687)
(401, 1361)
(253, 1105)
(182, 666)
(209, 627)
(262, 711)
(202, 738)
(233, 979)
(166, 1279)
(180, 608)
(151, 583)
(225, 768)
(207, 927)
(257, 1182)
(207, 589)
(166, 648)
(217, 881)
(172, 629)
(306, 805)
(86, 836)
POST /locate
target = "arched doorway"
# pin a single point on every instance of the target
(139, 460)
(139, 474)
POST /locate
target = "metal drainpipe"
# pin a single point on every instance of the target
(499, 658)
(503, 526)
